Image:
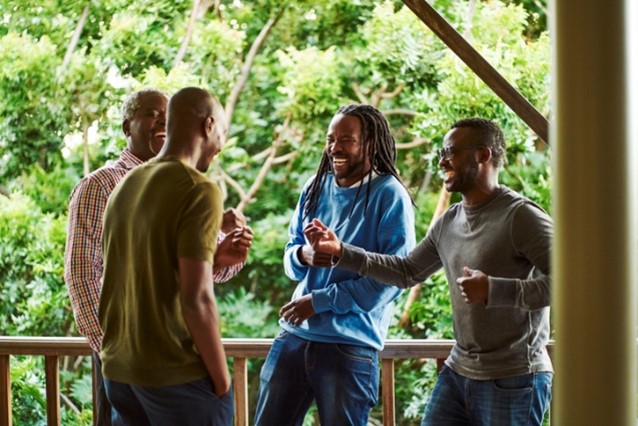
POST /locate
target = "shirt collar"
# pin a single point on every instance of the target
(366, 178)
(129, 159)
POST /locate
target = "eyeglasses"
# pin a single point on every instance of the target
(447, 152)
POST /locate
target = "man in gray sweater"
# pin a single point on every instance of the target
(495, 249)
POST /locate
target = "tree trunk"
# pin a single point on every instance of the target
(415, 292)
(85, 143)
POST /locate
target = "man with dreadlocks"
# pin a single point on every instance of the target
(337, 320)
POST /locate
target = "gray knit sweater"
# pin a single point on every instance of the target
(508, 238)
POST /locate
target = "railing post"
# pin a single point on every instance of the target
(52, 375)
(94, 388)
(387, 391)
(240, 376)
(5, 391)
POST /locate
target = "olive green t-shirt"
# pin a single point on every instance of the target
(160, 211)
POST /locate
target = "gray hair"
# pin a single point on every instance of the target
(132, 101)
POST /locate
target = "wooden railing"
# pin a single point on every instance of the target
(240, 350)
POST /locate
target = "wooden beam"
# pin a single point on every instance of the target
(473, 59)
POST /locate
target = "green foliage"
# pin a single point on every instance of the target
(34, 298)
(33, 121)
(49, 189)
(29, 404)
(243, 316)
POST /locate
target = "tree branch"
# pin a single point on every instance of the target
(400, 111)
(265, 168)
(285, 158)
(415, 142)
(189, 32)
(359, 93)
(69, 403)
(395, 92)
(5, 191)
(75, 38)
(233, 183)
(248, 63)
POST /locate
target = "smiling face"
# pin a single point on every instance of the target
(345, 148)
(460, 168)
(145, 129)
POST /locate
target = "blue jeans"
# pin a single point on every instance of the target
(344, 380)
(192, 403)
(510, 401)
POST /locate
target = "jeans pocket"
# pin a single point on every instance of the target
(224, 408)
(357, 353)
(282, 334)
(522, 383)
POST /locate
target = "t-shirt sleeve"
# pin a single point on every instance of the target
(200, 223)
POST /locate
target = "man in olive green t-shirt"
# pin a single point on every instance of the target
(163, 360)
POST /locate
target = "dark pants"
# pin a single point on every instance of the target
(511, 401)
(102, 409)
(342, 379)
(188, 404)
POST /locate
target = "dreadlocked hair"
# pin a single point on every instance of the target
(377, 143)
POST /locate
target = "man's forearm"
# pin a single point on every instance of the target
(202, 321)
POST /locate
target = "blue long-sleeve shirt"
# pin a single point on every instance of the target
(350, 308)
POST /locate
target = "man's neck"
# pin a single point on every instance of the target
(480, 194)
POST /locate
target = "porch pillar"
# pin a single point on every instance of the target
(594, 255)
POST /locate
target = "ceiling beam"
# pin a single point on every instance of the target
(486, 72)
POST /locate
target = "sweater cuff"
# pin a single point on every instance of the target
(502, 292)
(352, 257)
(320, 301)
(294, 257)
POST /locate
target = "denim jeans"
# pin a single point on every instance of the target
(102, 404)
(192, 404)
(510, 401)
(344, 380)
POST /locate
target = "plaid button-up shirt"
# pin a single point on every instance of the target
(83, 253)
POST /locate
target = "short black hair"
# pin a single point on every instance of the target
(490, 135)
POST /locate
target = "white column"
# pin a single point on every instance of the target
(594, 254)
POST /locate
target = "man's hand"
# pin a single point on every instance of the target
(308, 256)
(474, 286)
(298, 310)
(232, 219)
(233, 249)
(322, 239)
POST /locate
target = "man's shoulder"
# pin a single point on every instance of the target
(517, 200)
(103, 179)
(388, 185)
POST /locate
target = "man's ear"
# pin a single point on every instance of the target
(126, 127)
(486, 154)
(209, 123)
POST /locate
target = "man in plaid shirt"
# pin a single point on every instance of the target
(144, 121)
